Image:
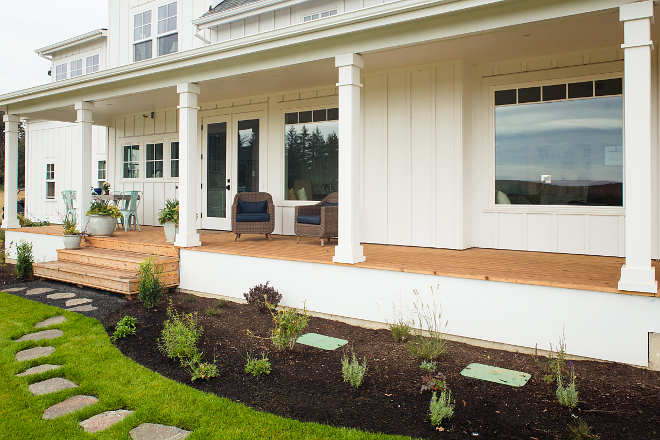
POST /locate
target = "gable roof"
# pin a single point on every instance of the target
(226, 5)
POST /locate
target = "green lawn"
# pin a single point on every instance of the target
(89, 359)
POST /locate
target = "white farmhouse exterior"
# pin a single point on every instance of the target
(523, 125)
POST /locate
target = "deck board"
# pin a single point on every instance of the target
(537, 268)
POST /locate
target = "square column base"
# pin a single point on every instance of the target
(348, 254)
(187, 240)
(638, 280)
(11, 223)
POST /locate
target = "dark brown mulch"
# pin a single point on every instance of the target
(617, 401)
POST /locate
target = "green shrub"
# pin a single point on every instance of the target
(221, 304)
(567, 396)
(441, 408)
(212, 311)
(400, 328)
(24, 259)
(125, 327)
(555, 365)
(289, 326)
(27, 223)
(431, 381)
(263, 296)
(428, 319)
(189, 298)
(352, 371)
(198, 369)
(179, 335)
(582, 431)
(257, 367)
(150, 286)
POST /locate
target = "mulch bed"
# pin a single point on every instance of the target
(617, 401)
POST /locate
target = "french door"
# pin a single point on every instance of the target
(230, 164)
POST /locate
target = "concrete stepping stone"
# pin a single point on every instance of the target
(77, 302)
(34, 353)
(14, 289)
(72, 404)
(61, 295)
(38, 369)
(50, 321)
(51, 386)
(85, 308)
(38, 291)
(44, 334)
(151, 431)
(104, 420)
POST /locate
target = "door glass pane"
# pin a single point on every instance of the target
(248, 155)
(216, 163)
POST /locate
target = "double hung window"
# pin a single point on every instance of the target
(560, 144)
(60, 72)
(50, 181)
(168, 38)
(142, 43)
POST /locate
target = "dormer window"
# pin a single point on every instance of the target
(93, 64)
(319, 15)
(142, 42)
(168, 38)
(76, 68)
(60, 72)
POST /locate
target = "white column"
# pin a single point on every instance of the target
(348, 249)
(637, 274)
(11, 171)
(81, 161)
(188, 109)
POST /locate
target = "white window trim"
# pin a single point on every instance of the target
(142, 143)
(49, 161)
(489, 205)
(319, 11)
(154, 30)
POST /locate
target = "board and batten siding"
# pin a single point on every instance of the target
(413, 158)
(50, 142)
(137, 129)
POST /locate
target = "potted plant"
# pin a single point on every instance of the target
(71, 234)
(102, 218)
(169, 218)
(106, 188)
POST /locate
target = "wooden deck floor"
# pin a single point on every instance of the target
(544, 269)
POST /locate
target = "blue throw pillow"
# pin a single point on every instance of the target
(330, 204)
(252, 207)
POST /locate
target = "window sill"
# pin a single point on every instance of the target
(556, 209)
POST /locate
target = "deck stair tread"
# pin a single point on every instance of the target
(105, 268)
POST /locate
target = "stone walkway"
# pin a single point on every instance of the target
(99, 422)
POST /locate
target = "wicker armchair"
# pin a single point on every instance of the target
(319, 220)
(255, 219)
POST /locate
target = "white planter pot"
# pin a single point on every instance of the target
(170, 231)
(72, 241)
(101, 225)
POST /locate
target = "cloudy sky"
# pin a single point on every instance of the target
(27, 25)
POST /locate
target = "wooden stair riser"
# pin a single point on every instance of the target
(64, 255)
(143, 248)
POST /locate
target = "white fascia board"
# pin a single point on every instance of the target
(356, 21)
(90, 36)
(248, 10)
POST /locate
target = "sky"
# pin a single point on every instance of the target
(27, 25)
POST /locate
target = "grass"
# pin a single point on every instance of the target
(89, 359)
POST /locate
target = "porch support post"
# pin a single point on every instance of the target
(11, 171)
(348, 249)
(81, 161)
(188, 110)
(637, 274)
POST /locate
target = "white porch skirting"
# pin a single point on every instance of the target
(599, 325)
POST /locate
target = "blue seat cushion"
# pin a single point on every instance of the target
(253, 217)
(309, 219)
(330, 204)
(252, 207)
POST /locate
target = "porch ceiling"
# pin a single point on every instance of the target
(575, 33)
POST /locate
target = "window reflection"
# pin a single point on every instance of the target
(560, 153)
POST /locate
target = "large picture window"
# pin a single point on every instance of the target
(560, 144)
(312, 149)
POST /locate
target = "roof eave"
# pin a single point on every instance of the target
(90, 36)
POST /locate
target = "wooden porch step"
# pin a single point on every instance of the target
(103, 278)
(114, 259)
(145, 247)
